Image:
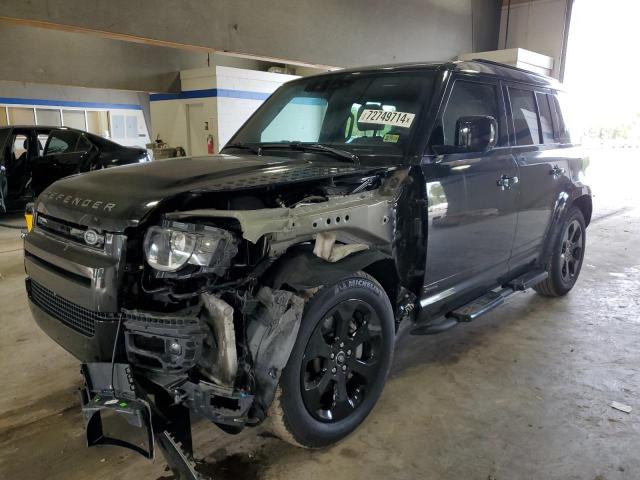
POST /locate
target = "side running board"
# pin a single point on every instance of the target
(528, 280)
(482, 304)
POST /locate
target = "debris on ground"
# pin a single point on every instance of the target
(621, 406)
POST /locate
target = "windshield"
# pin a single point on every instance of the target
(364, 113)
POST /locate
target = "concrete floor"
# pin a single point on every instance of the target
(522, 393)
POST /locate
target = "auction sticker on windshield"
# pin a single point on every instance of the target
(381, 117)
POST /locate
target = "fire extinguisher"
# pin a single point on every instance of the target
(210, 146)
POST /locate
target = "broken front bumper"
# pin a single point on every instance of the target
(112, 388)
(166, 421)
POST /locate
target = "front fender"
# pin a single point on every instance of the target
(301, 269)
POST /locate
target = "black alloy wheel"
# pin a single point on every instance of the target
(571, 253)
(341, 360)
(567, 255)
(339, 363)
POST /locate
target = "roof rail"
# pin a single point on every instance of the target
(498, 64)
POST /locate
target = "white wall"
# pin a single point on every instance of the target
(233, 112)
(229, 96)
(537, 25)
(169, 120)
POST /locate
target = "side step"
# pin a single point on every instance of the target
(433, 328)
(528, 280)
(483, 304)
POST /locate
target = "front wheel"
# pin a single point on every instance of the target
(338, 365)
(566, 258)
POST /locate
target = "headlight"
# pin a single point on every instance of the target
(169, 249)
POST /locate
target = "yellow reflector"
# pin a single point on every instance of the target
(29, 219)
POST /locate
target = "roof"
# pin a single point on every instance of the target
(476, 66)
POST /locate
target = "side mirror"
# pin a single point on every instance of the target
(476, 133)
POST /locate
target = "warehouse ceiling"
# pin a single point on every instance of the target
(331, 33)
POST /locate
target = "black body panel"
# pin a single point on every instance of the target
(84, 200)
(24, 176)
(95, 348)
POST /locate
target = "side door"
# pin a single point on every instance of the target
(18, 162)
(88, 155)
(60, 159)
(471, 198)
(543, 169)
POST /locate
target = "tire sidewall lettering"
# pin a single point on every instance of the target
(352, 283)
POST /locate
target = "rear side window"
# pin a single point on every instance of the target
(562, 131)
(525, 117)
(467, 98)
(546, 124)
(61, 141)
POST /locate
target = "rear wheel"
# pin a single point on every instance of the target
(566, 259)
(339, 364)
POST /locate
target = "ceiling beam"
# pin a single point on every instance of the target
(309, 32)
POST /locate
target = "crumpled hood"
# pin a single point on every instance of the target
(116, 198)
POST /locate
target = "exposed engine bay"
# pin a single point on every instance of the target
(234, 282)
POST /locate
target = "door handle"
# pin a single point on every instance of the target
(556, 171)
(505, 182)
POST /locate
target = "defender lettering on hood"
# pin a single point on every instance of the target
(81, 202)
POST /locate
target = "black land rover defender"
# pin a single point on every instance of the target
(267, 283)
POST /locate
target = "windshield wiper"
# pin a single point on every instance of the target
(317, 147)
(244, 146)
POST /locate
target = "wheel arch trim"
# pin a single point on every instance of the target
(579, 197)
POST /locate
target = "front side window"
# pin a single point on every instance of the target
(363, 113)
(61, 141)
(525, 116)
(83, 144)
(467, 98)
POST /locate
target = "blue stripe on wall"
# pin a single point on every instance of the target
(210, 93)
(66, 103)
(226, 93)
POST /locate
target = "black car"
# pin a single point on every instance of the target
(267, 283)
(33, 157)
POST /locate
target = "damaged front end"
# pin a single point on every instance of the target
(210, 301)
(187, 364)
